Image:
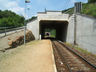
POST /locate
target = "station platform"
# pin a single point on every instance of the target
(34, 57)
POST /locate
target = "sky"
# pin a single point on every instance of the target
(18, 6)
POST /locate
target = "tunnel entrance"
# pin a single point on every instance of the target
(55, 29)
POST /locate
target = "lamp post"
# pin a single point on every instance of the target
(5, 29)
(26, 1)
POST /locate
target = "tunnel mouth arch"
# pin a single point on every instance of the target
(60, 27)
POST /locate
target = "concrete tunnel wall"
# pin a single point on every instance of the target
(59, 26)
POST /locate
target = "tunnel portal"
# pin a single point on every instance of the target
(59, 26)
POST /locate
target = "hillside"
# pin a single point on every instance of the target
(88, 9)
(10, 19)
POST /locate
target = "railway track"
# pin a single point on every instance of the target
(68, 60)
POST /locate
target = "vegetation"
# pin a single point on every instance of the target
(91, 1)
(78, 48)
(52, 32)
(10, 19)
(88, 9)
(32, 18)
(70, 11)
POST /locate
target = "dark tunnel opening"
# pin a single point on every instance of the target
(60, 28)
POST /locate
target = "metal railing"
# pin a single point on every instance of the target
(5, 30)
(8, 29)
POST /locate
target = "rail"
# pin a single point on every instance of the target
(78, 55)
(62, 57)
(63, 50)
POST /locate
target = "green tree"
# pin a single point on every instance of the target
(10, 19)
(3, 22)
(32, 18)
(91, 1)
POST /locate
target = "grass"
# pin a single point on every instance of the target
(82, 50)
(78, 48)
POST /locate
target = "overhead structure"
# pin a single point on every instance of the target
(50, 20)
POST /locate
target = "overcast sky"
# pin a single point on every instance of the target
(35, 6)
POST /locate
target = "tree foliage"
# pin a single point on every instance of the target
(89, 9)
(10, 19)
(91, 1)
(32, 18)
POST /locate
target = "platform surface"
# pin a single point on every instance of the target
(35, 57)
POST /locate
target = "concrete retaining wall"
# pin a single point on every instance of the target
(70, 31)
(86, 32)
(34, 27)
